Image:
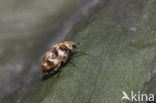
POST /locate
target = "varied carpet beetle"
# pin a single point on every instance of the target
(56, 57)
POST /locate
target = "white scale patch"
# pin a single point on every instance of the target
(54, 60)
(68, 46)
(61, 53)
(45, 64)
(50, 54)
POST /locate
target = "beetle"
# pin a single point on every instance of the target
(56, 57)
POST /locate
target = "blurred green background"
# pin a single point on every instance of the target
(118, 35)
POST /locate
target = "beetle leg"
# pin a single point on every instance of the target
(79, 52)
(60, 69)
(74, 65)
(58, 73)
(84, 53)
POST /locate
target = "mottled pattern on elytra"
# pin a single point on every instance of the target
(55, 56)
